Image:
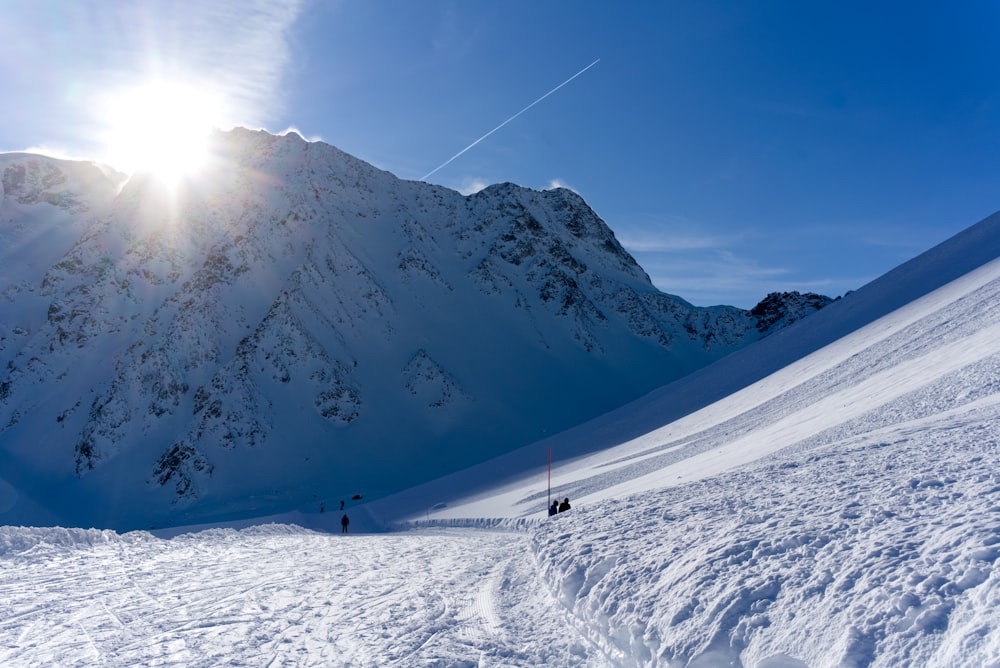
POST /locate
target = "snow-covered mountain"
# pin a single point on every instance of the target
(295, 325)
(837, 506)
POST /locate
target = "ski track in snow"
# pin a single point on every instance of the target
(844, 511)
(282, 596)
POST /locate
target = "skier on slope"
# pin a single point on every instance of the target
(564, 506)
(344, 521)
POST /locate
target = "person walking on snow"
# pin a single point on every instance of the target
(554, 508)
(344, 521)
(564, 505)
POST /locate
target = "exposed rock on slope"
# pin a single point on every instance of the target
(780, 309)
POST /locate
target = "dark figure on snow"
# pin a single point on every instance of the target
(341, 504)
(554, 508)
(344, 521)
(564, 506)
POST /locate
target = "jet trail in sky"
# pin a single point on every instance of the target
(452, 158)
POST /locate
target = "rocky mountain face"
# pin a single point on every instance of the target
(295, 326)
(780, 309)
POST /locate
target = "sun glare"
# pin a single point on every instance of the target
(161, 128)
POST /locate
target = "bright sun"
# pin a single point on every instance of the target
(160, 127)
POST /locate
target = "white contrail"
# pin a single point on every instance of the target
(452, 158)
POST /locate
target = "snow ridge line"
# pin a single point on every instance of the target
(16, 540)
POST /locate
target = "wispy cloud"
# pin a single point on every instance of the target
(242, 47)
(471, 185)
(559, 183)
(714, 277)
(81, 55)
(708, 264)
(659, 243)
(665, 233)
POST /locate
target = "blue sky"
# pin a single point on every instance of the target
(734, 148)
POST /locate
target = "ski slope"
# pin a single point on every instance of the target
(279, 595)
(840, 510)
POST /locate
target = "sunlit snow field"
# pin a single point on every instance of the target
(843, 511)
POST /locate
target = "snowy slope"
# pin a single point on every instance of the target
(268, 337)
(854, 337)
(840, 510)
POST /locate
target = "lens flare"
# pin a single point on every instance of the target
(160, 127)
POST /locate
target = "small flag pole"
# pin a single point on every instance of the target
(550, 476)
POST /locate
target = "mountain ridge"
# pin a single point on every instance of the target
(258, 333)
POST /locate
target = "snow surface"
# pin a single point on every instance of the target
(843, 510)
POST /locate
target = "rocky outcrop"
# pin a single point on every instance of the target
(780, 309)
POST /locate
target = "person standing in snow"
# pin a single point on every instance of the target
(554, 508)
(344, 521)
(564, 506)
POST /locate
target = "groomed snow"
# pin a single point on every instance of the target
(279, 595)
(843, 511)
